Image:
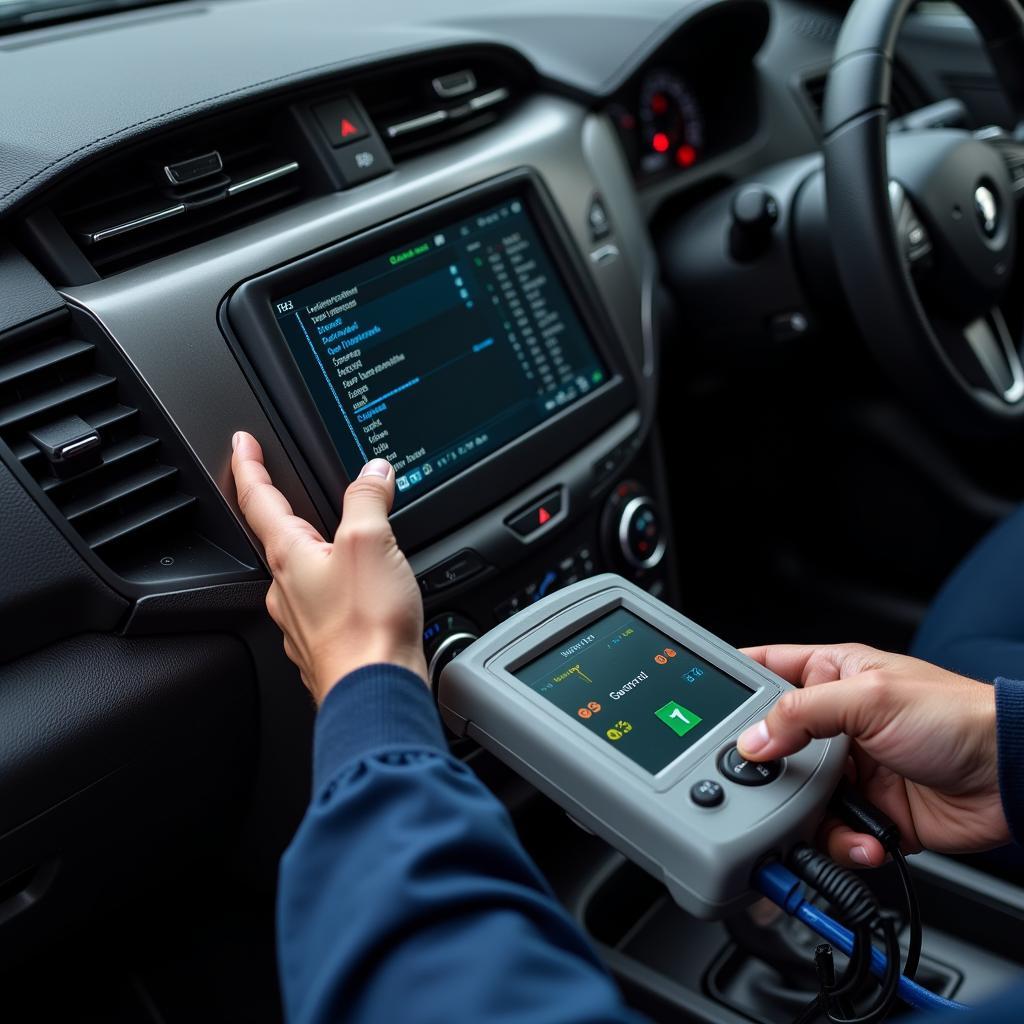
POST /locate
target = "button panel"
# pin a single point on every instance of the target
(575, 566)
(735, 767)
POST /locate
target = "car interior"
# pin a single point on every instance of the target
(752, 264)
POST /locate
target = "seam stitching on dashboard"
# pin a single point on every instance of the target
(305, 72)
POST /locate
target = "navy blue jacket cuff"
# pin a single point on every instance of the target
(373, 708)
(1010, 744)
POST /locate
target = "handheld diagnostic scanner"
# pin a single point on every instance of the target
(626, 714)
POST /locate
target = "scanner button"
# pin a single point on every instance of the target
(707, 793)
(748, 773)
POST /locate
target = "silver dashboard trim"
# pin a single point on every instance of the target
(414, 124)
(133, 225)
(164, 315)
(489, 99)
(262, 179)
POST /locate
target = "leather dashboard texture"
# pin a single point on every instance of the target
(74, 91)
(26, 293)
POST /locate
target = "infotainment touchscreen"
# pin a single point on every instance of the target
(443, 349)
(638, 689)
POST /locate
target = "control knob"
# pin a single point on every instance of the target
(755, 212)
(445, 637)
(633, 528)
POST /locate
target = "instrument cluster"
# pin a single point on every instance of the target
(663, 127)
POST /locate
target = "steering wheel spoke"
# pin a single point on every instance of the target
(997, 354)
(985, 353)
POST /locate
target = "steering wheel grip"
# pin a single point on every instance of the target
(869, 256)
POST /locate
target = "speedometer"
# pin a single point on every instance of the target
(671, 123)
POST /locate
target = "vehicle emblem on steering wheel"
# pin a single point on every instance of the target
(987, 209)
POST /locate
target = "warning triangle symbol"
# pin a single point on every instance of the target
(348, 128)
(543, 516)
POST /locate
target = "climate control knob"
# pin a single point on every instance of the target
(634, 531)
(445, 637)
(641, 540)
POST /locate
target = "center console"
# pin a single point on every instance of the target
(466, 344)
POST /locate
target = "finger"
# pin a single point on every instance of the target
(853, 849)
(368, 500)
(264, 507)
(849, 706)
(809, 665)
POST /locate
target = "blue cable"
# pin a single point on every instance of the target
(783, 888)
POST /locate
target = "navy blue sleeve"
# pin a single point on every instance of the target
(405, 894)
(1010, 747)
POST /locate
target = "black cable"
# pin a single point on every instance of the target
(860, 814)
(913, 913)
(857, 972)
(858, 906)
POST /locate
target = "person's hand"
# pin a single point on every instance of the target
(340, 605)
(924, 744)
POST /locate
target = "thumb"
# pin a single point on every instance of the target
(368, 498)
(850, 706)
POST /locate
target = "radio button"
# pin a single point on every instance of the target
(453, 570)
(734, 766)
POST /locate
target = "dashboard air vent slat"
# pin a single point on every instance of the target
(116, 493)
(123, 490)
(437, 105)
(189, 185)
(58, 398)
(152, 514)
(35, 361)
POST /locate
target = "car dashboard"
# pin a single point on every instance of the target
(192, 194)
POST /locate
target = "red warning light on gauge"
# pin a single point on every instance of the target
(660, 142)
(686, 155)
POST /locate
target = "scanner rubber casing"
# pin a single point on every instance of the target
(705, 856)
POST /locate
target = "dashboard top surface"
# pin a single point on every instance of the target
(65, 87)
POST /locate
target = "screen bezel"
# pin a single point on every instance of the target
(546, 635)
(500, 473)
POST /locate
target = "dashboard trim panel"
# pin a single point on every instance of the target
(164, 315)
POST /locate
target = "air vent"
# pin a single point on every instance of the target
(188, 187)
(74, 428)
(436, 105)
(906, 96)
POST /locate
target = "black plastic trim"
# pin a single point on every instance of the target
(221, 531)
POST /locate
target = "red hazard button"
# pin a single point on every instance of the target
(342, 121)
(536, 514)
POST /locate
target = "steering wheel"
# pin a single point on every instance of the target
(924, 222)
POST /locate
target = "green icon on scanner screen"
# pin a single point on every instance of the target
(679, 719)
